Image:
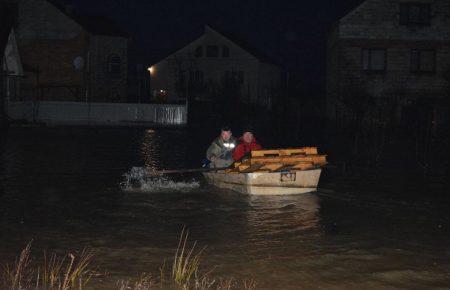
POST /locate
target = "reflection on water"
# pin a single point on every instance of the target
(71, 188)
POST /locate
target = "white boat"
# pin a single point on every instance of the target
(267, 183)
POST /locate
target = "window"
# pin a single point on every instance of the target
(181, 77)
(198, 77)
(415, 14)
(114, 65)
(212, 51)
(225, 51)
(374, 60)
(240, 77)
(423, 60)
(199, 51)
(236, 76)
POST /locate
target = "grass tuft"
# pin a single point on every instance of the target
(56, 273)
(186, 262)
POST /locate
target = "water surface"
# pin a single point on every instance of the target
(65, 189)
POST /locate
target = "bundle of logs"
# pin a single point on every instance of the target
(279, 160)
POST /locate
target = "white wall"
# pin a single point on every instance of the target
(257, 75)
(114, 114)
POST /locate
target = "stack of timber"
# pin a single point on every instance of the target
(273, 172)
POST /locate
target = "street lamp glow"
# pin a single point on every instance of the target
(151, 70)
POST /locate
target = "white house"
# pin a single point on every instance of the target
(216, 66)
(10, 65)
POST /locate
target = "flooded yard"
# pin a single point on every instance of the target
(66, 189)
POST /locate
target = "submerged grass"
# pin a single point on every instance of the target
(75, 272)
(56, 272)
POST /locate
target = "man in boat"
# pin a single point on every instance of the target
(246, 145)
(220, 152)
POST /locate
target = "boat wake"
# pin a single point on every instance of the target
(137, 179)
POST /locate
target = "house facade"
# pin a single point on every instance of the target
(67, 57)
(216, 66)
(10, 65)
(389, 55)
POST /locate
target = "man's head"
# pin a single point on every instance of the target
(225, 133)
(247, 137)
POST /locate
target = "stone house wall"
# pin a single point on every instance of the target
(375, 24)
(63, 60)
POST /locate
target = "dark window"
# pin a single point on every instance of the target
(423, 60)
(227, 75)
(225, 51)
(236, 76)
(114, 65)
(212, 51)
(198, 76)
(415, 14)
(240, 77)
(181, 76)
(374, 60)
(199, 51)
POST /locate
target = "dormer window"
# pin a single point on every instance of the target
(212, 51)
(412, 13)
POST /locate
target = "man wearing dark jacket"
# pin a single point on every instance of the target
(221, 149)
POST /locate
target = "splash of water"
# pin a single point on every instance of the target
(137, 179)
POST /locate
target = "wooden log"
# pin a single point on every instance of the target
(252, 168)
(315, 159)
(271, 166)
(243, 167)
(304, 166)
(285, 152)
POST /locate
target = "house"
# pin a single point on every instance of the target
(216, 66)
(387, 56)
(10, 64)
(68, 57)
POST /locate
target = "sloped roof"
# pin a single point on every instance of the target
(239, 41)
(95, 24)
(244, 44)
(100, 25)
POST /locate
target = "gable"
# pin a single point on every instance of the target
(12, 64)
(39, 19)
(380, 19)
(212, 37)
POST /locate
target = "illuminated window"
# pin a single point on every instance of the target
(374, 60)
(212, 51)
(423, 60)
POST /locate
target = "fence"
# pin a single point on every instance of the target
(114, 114)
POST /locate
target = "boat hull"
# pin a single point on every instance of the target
(267, 183)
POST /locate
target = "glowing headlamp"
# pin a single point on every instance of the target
(229, 145)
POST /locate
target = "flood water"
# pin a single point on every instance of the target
(66, 189)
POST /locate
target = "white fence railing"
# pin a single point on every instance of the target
(98, 113)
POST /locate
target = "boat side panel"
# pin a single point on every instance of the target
(266, 183)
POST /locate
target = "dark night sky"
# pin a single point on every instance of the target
(293, 33)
